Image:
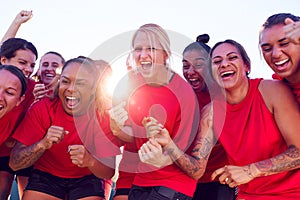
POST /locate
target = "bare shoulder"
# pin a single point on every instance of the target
(275, 92)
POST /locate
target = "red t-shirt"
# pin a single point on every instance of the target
(12, 119)
(174, 105)
(249, 135)
(56, 160)
(295, 87)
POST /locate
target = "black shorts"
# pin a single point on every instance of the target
(215, 191)
(157, 192)
(70, 188)
(122, 191)
(4, 166)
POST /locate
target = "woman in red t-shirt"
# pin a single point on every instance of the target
(52, 135)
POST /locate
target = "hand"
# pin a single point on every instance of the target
(234, 175)
(118, 116)
(292, 30)
(151, 153)
(152, 126)
(54, 135)
(80, 156)
(39, 92)
(23, 16)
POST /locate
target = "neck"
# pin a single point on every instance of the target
(236, 94)
(294, 78)
(162, 78)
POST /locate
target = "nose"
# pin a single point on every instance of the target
(190, 70)
(144, 52)
(276, 52)
(28, 70)
(71, 87)
(225, 63)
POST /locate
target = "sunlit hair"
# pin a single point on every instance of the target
(10, 46)
(103, 100)
(19, 74)
(155, 33)
(241, 51)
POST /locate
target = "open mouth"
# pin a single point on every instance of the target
(48, 75)
(72, 102)
(1, 107)
(146, 65)
(281, 65)
(195, 82)
(227, 74)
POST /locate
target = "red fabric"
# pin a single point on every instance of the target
(250, 134)
(56, 160)
(175, 106)
(128, 166)
(9, 122)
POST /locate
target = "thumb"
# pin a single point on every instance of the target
(288, 21)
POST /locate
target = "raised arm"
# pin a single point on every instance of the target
(21, 18)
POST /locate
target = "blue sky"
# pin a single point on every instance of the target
(79, 27)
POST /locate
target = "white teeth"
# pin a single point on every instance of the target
(145, 63)
(71, 98)
(227, 72)
(49, 75)
(281, 62)
(1, 106)
(193, 79)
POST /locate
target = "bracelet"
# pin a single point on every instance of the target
(248, 171)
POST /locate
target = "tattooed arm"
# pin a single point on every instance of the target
(194, 165)
(23, 156)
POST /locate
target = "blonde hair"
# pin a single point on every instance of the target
(155, 32)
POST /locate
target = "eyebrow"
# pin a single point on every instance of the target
(267, 44)
(228, 54)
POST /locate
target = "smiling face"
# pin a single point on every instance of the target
(280, 54)
(10, 91)
(23, 59)
(149, 56)
(228, 68)
(195, 64)
(48, 65)
(76, 88)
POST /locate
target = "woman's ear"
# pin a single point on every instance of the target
(20, 100)
(3, 60)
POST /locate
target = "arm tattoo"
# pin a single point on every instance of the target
(288, 160)
(194, 164)
(24, 156)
